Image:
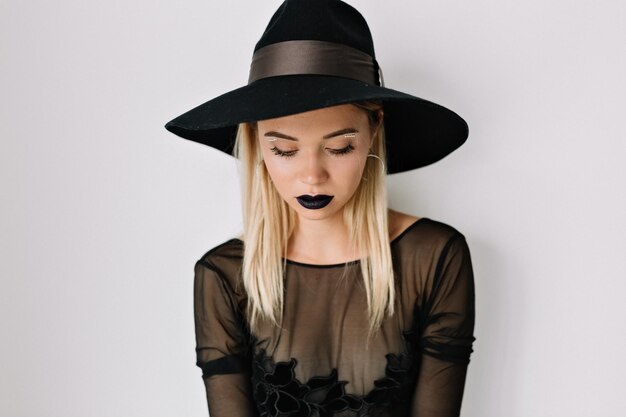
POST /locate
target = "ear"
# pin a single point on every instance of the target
(380, 116)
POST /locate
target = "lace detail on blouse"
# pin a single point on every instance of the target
(279, 393)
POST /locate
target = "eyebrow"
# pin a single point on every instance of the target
(328, 136)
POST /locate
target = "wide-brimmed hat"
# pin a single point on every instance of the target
(320, 53)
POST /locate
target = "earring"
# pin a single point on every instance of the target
(377, 157)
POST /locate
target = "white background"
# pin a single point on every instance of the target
(103, 212)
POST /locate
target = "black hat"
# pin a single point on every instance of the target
(320, 53)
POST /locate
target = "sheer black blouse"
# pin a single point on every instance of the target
(317, 364)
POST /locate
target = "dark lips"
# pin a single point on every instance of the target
(314, 202)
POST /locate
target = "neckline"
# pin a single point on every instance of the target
(356, 261)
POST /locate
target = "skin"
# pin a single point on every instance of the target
(309, 163)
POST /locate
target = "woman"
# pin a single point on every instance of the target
(330, 304)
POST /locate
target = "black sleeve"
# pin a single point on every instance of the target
(447, 333)
(221, 345)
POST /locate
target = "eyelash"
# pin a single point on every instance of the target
(336, 152)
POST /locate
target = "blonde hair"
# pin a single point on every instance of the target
(268, 222)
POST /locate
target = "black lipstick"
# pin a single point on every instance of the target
(314, 202)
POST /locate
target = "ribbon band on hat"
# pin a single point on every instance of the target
(314, 57)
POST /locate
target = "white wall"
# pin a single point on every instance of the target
(103, 212)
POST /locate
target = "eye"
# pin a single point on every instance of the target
(342, 151)
(284, 154)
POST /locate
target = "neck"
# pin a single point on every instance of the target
(321, 241)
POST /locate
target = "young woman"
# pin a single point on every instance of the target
(330, 303)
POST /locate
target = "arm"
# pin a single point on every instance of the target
(221, 346)
(447, 322)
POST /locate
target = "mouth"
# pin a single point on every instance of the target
(314, 202)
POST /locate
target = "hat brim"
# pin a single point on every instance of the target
(418, 132)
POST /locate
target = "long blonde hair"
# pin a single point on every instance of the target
(268, 222)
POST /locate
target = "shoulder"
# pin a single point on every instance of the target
(427, 252)
(426, 237)
(225, 261)
(226, 252)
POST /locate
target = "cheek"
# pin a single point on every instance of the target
(279, 173)
(350, 171)
(277, 169)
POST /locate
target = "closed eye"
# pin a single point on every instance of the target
(342, 151)
(336, 152)
(284, 154)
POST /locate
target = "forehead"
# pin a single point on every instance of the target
(326, 117)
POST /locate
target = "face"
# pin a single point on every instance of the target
(316, 159)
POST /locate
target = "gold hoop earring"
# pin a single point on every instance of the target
(377, 157)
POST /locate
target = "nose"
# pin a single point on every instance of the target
(313, 170)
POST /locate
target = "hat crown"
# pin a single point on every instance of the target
(321, 20)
